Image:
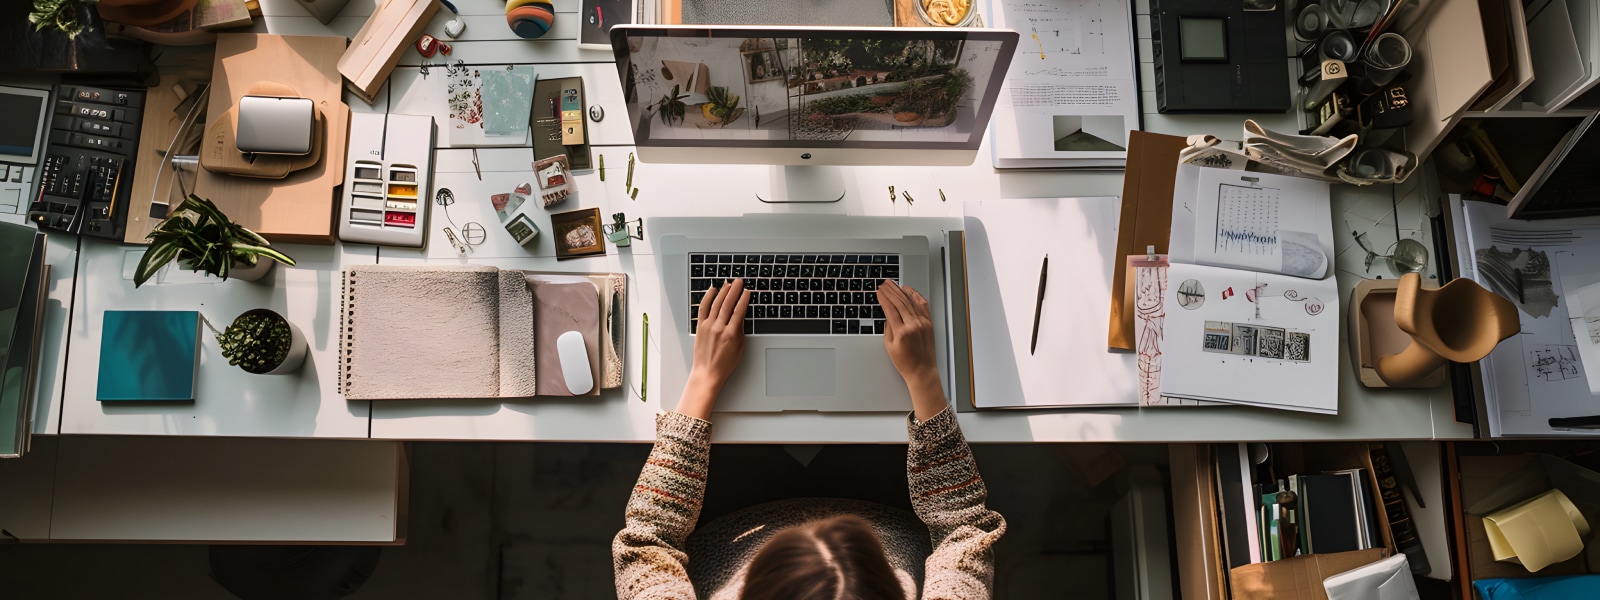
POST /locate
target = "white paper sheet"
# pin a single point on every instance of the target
(1070, 93)
(1259, 339)
(1006, 242)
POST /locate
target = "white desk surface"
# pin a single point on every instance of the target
(306, 405)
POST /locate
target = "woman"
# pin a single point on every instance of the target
(806, 552)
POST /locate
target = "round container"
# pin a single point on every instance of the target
(1337, 44)
(1310, 23)
(967, 20)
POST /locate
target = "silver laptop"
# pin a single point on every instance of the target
(814, 329)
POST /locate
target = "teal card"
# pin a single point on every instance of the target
(148, 355)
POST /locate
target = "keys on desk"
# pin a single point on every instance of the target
(799, 294)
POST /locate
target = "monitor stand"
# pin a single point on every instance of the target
(804, 184)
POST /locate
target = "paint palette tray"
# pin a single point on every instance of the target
(386, 188)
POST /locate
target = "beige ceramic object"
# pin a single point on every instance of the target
(1460, 322)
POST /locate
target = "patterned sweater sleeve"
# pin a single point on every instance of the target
(648, 554)
(948, 495)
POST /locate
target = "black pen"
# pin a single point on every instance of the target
(1038, 304)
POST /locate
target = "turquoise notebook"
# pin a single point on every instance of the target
(148, 355)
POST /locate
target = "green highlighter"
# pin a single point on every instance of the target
(644, 358)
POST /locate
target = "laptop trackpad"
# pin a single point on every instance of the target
(800, 372)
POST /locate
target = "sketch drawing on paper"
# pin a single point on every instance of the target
(1247, 220)
(1555, 363)
(1191, 294)
(1592, 321)
(1057, 29)
(1150, 285)
(1297, 347)
(1521, 275)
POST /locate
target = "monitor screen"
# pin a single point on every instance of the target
(818, 87)
(19, 131)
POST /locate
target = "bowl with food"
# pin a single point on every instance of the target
(947, 13)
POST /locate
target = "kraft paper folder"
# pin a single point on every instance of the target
(1145, 220)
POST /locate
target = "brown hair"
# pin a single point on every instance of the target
(837, 559)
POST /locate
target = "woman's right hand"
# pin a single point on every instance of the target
(908, 336)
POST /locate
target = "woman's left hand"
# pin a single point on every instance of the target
(718, 346)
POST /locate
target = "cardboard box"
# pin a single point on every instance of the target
(393, 27)
(1297, 578)
(300, 207)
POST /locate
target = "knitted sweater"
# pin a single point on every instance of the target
(649, 554)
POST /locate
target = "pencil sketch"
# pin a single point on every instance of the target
(1191, 294)
(1555, 363)
(1593, 324)
(1521, 275)
(1150, 292)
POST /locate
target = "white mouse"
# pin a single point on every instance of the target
(575, 363)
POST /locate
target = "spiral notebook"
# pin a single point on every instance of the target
(473, 331)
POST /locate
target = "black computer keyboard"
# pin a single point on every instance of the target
(87, 174)
(812, 294)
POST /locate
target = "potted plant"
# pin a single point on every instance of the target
(70, 17)
(720, 106)
(262, 342)
(201, 238)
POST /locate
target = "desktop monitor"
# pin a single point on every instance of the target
(810, 99)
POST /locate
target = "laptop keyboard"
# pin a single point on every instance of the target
(809, 294)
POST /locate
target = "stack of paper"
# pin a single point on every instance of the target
(1070, 97)
(1532, 380)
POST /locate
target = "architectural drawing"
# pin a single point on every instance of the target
(1554, 363)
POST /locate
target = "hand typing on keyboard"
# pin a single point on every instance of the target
(908, 337)
(718, 346)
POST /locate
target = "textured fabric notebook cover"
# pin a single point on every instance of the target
(148, 355)
(421, 332)
(562, 304)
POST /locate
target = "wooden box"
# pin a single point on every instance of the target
(393, 27)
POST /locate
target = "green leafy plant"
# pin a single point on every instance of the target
(258, 341)
(722, 103)
(201, 238)
(67, 16)
(671, 106)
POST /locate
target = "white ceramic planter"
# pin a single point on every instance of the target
(247, 273)
(297, 346)
(297, 353)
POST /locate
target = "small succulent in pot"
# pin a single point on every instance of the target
(261, 341)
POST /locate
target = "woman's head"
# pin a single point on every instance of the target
(837, 559)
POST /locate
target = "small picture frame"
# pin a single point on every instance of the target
(554, 177)
(578, 233)
(762, 65)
